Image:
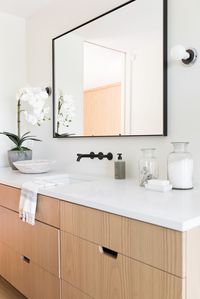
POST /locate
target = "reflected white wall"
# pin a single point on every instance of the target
(137, 31)
(69, 77)
(102, 66)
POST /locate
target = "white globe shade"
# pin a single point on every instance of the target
(179, 52)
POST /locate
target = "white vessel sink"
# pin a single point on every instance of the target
(34, 166)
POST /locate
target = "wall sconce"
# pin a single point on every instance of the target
(187, 56)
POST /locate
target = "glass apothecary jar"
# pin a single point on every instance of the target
(148, 166)
(180, 167)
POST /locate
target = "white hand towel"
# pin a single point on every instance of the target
(28, 199)
(28, 202)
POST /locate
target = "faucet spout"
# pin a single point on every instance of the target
(90, 155)
(78, 157)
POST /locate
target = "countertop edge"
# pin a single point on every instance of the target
(156, 219)
(168, 224)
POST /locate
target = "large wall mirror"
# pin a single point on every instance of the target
(110, 74)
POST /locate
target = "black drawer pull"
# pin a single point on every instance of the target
(108, 252)
(25, 259)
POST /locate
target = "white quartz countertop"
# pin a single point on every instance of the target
(178, 210)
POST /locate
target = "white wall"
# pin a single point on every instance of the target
(183, 88)
(12, 74)
(147, 91)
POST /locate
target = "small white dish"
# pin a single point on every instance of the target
(159, 187)
(34, 166)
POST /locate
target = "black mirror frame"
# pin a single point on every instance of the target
(165, 73)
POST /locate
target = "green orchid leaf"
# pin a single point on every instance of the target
(35, 139)
(14, 138)
(9, 134)
(27, 138)
(19, 141)
(25, 134)
(23, 148)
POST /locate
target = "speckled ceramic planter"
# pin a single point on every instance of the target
(14, 156)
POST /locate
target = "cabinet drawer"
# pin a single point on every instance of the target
(28, 278)
(69, 292)
(106, 274)
(47, 207)
(39, 242)
(151, 244)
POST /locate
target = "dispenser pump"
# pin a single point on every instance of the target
(119, 156)
(120, 168)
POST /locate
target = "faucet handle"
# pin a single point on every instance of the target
(100, 156)
(109, 156)
(92, 155)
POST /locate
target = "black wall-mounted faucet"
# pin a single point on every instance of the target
(92, 155)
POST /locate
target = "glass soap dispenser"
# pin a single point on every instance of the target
(148, 166)
(120, 168)
(180, 167)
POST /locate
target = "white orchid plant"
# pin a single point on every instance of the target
(37, 113)
(66, 112)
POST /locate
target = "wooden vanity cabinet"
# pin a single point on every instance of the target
(48, 208)
(32, 242)
(157, 246)
(101, 273)
(109, 256)
(30, 255)
(70, 292)
(26, 276)
(76, 252)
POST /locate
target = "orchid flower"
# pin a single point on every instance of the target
(66, 110)
(36, 98)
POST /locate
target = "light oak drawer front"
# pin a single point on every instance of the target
(48, 210)
(151, 244)
(28, 278)
(69, 292)
(109, 275)
(39, 242)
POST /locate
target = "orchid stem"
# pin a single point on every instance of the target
(18, 118)
(59, 109)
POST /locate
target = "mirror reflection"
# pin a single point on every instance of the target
(109, 76)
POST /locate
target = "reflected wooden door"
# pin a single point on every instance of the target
(102, 110)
